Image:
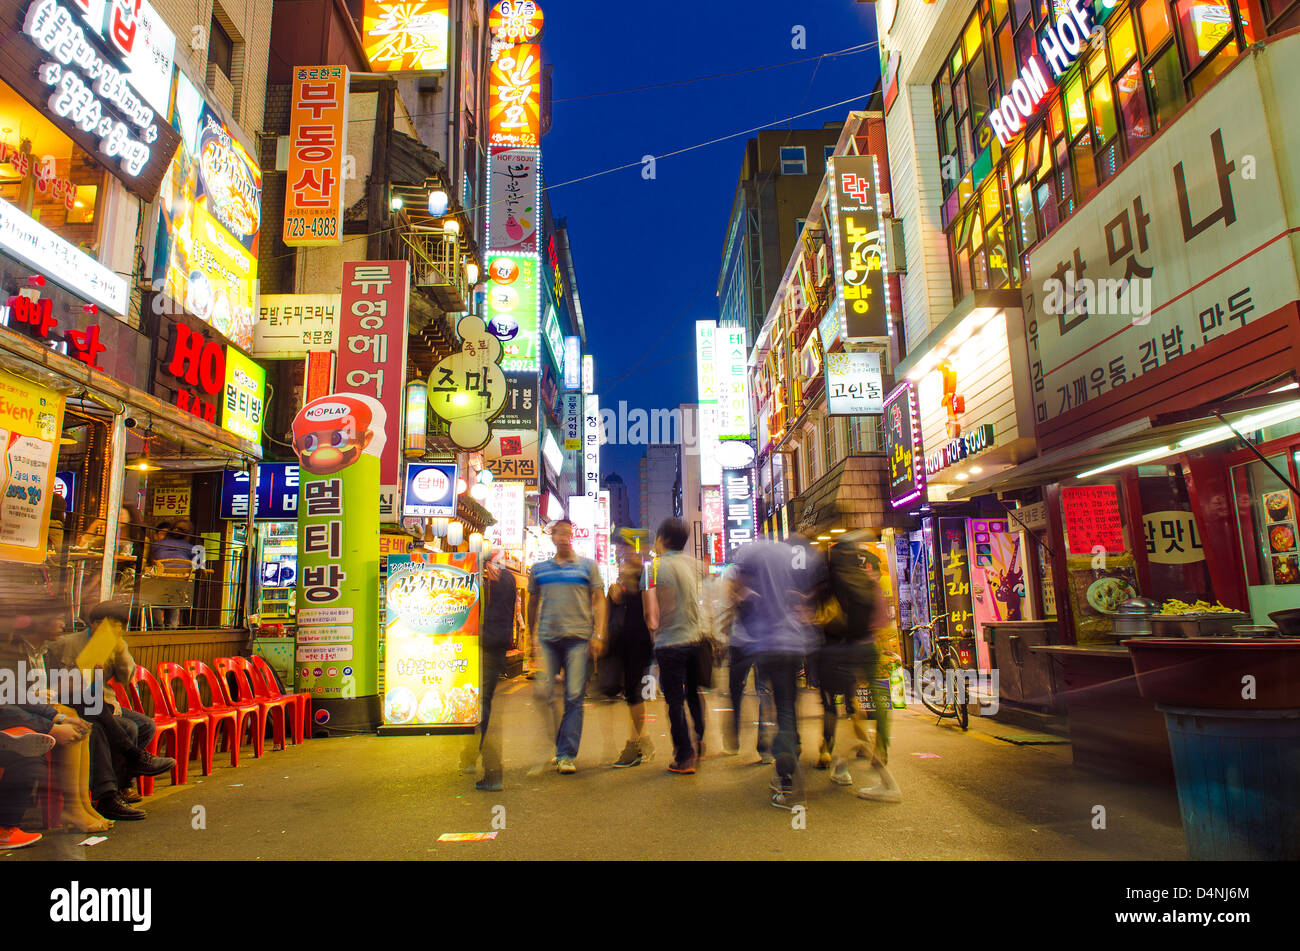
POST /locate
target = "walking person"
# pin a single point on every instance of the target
(772, 580)
(742, 657)
(566, 612)
(673, 615)
(498, 628)
(633, 648)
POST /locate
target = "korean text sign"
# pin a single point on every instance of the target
(290, 326)
(506, 503)
(853, 384)
(738, 508)
(372, 346)
(430, 490)
(1092, 519)
(431, 662)
(405, 37)
(515, 94)
(245, 397)
(512, 304)
(859, 247)
(318, 137)
(732, 382)
(31, 419)
(339, 439)
(277, 493)
(903, 446)
(514, 181)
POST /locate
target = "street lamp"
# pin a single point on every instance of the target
(455, 534)
(451, 226)
(471, 272)
(438, 202)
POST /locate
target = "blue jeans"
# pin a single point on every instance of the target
(738, 670)
(782, 670)
(570, 655)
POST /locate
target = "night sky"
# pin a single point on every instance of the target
(647, 252)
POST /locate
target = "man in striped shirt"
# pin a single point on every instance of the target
(566, 614)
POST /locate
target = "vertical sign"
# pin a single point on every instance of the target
(431, 669)
(31, 419)
(319, 378)
(572, 363)
(506, 503)
(339, 440)
(903, 446)
(706, 369)
(733, 383)
(956, 578)
(514, 205)
(859, 247)
(571, 411)
(711, 508)
(318, 136)
(738, 505)
(372, 348)
(245, 399)
(591, 447)
(512, 309)
(515, 95)
(588, 374)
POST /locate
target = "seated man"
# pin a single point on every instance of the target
(123, 735)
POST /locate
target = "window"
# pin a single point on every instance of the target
(828, 152)
(794, 160)
(799, 224)
(220, 47)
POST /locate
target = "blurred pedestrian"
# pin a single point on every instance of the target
(742, 657)
(772, 577)
(632, 648)
(498, 631)
(673, 615)
(566, 612)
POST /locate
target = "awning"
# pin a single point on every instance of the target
(1146, 440)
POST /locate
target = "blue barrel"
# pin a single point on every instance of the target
(1238, 776)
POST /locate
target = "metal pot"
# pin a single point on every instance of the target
(1133, 619)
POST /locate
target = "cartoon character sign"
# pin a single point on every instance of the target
(331, 432)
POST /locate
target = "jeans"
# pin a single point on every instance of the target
(139, 729)
(21, 774)
(112, 752)
(739, 664)
(843, 668)
(570, 655)
(679, 679)
(494, 665)
(783, 672)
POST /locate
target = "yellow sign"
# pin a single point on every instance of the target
(405, 37)
(31, 418)
(468, 389)
(245, 397)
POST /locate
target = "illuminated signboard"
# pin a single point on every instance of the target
(512, 455)
(515, 21)
(572, 363)
(512, 309)
(506, 503)
(318, 136)
(552, 454)
(903, 446)
(733, 383)
(853, 384)
(289, 326)
(591, 433)
(1060, 46)
(554, 339)
(514, 197)
(405, 36)
(706, 368)
(430, 490)
(245, 401)
(738, 509)
(48, 254)
(588, 374)
(467, 388)
(515, 91)
(859, 247)
(955, 450)
(211, 212)
(99, 79)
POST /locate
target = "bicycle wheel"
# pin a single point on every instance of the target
(932, 687)
(957, 691)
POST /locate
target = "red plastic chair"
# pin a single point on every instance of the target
(246, 714)
(276, 710)
(190, 726)
(301, 700)
(220, 719)
(129, 699)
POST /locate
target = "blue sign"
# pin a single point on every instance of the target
(430, 490)
(277, 493)
(65, 484)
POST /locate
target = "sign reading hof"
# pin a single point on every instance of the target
(514, 180)
(859, 247)
(853, 384)
(903, 446)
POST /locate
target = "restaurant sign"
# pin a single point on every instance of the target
(853, 384)
(51, 256)
(903, 446)
(955, 450)
(277, 493)
(405, 37)
(859, 247)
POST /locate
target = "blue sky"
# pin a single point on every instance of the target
(647, 251)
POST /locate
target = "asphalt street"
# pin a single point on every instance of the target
(965, 796)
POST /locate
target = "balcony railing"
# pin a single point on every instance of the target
(436, 266)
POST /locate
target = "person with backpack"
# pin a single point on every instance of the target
(852, 610)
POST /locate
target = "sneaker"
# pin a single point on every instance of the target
(766, 759)
(840, 773)
(824, 757)
(566, 766)
(786, 799)
(647, 749)
(631, 756)
(15, 838)
(25, 742)
(684, 767)
(881, 794)
(488, 785)
(775, 784)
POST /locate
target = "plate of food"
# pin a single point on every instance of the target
(1278, 506)
(1107, 594)
(1281, 538)
(432, 598)
(399, 705)
(1286, 570)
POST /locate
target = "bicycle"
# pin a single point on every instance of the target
(940, 672)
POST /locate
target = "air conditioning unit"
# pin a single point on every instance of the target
(221, 87)
(895, 248)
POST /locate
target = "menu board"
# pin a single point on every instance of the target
(431, 652)
(903, 446)
(1092, 519)
(31, 418)
(955, 562)
(1279, 512)
(1097, 592)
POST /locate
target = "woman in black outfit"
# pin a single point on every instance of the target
(631, 644)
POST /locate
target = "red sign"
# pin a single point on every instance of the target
(1092, 519)
(319, 379)
(372, 346)
(198, 367)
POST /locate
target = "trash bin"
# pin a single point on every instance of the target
(1238, 778)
